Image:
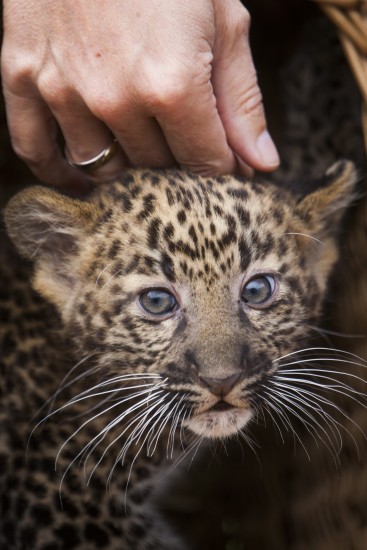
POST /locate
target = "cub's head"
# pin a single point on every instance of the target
(202, 285)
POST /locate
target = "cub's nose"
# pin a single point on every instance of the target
(220, 386)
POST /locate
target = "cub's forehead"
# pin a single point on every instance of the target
(181, 199)
(183, 226)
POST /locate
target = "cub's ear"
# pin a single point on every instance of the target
(48, 227)
(44, 223)
(324, 206)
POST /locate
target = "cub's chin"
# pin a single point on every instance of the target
(219, 424)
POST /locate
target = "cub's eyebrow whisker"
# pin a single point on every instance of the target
(306, 235)
(101, 273)
(112, 276)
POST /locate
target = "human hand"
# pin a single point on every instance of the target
(172, 80)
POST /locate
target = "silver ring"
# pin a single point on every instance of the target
(96, 162)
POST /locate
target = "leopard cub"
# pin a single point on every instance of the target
(163, 308)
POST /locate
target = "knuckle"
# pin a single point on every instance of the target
(31, 152)
(34, 158)
(54, 89)
(106, 105)
(166, 94)
(17, 71)
(240, 21)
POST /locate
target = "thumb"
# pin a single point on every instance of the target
(238, 96)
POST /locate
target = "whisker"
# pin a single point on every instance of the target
(120, 378)
(250, 442)
(314, 399)
(305, 235)
(195, 443)
(78, 399)
(97, 438)
(295, 400)
(112, 276)
(285, 420)
(101, 273)
(266, 406)
(142, 417)
(62, 386)
(309, 428)
(322, 349)
(104, 411)
(337, 387)
(334, 333)
(311, 360)
(175, 421)
(156, 437)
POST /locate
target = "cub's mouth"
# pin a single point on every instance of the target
(221, 406)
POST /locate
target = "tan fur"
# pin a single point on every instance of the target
(208, 366)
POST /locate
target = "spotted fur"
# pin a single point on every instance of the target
(128, 392)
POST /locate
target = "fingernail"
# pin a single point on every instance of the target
(267, 150)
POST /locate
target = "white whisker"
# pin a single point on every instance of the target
(298, 401)
(305, 235)
(323, 349)
(309, 428)
(322, 331)
(112, 276)
(134, 395)
(101, 273)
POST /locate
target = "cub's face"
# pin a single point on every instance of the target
(203, 285)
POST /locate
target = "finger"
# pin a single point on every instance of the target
(143, 141)
(137, 132)
(86, 137)
(34, 132)
(244, 169)
(191, 125)
(238, 95)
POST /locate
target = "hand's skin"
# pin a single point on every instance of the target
(173, 80)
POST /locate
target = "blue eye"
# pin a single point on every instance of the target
(157, 302)
(258, 290)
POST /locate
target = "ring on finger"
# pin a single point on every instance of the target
(96, 162)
